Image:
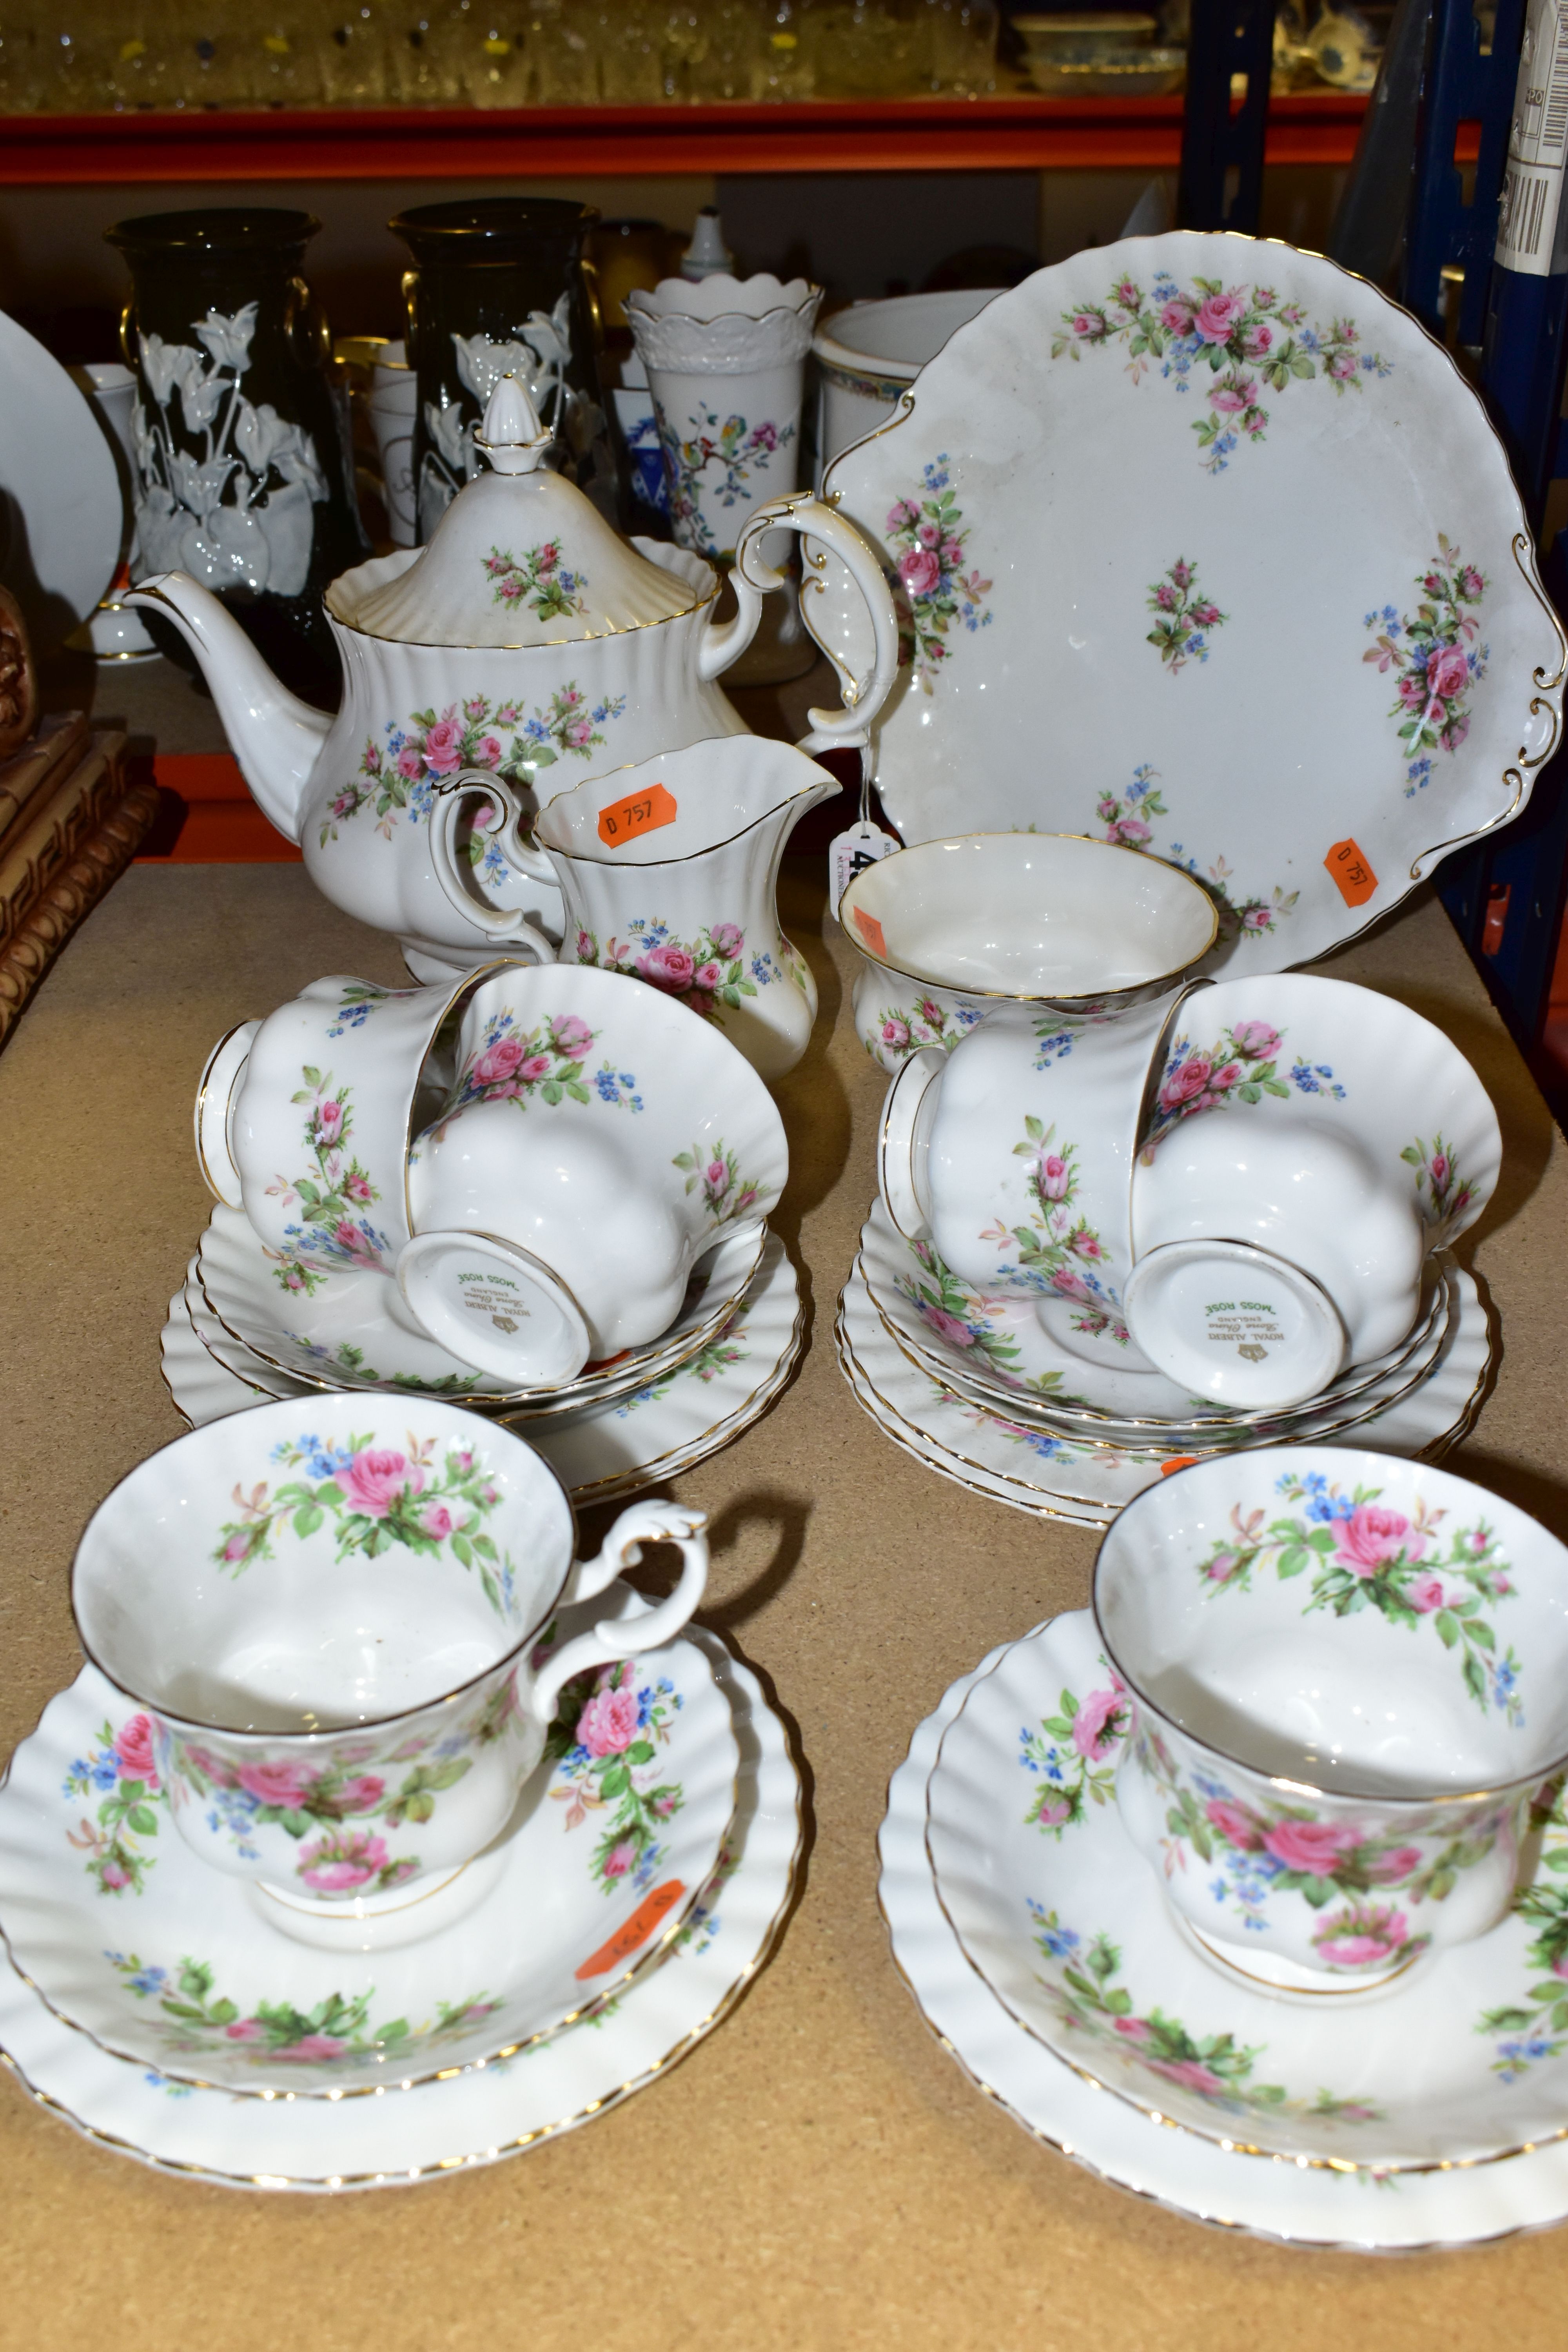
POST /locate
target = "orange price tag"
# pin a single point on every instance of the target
(637, 1931)
(1354, 878)
(870, 931)
(1177, 1462)
(642, 811)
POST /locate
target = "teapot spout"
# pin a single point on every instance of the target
(276, 737)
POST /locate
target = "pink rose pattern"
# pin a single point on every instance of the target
(1246, 1063)
(1263, 1849)
(197, 2020)
(901, 1030)
(1125, 816)
(122, 1773)
(1229, 344)
(1434, 659)
(1082, 1981)
(1440, 1189)
(1058, 1252)
(605, 1742)
(710, 974)
(963, 1321)
(400, 776)
(1072, 1757)
(375, 1494)
(1361, 1554)
(1184, 619)
(547, 1064)
(541, 581)
(933, 592)
(333, 1227)
(726, 1194)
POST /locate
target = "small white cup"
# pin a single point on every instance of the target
(1349, 1676)
(333, 1640)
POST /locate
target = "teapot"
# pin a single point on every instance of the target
(527, 639)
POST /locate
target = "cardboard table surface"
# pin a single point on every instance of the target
(818, 2172)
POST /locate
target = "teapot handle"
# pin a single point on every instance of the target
(503, 826)
(832, 730)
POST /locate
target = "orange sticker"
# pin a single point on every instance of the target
(1177, 1462)
(642, 811)
(637, 1931)
(871, 931)
(1354, 878)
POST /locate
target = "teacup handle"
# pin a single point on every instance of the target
(655, 1521)
(902, 1143)
(752, 578)
(505, 827)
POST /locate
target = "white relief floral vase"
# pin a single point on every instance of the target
(726, 368)
(528, 641)
(670, 872)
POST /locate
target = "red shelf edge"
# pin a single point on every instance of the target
(1015, 133)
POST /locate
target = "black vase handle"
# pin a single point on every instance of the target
(305, 325)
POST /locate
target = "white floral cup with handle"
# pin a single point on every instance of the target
(668, 871)
(596, 1141)
(304, 1120)
(1307, 1144)
(336, 1639)
(949, 929)
(1013, 1155)
(1348, 1677)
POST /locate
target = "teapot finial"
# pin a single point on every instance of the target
(512, 435)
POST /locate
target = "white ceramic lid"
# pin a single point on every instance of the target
(520, 557)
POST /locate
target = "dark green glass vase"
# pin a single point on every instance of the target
(245, 471)
(499, 287)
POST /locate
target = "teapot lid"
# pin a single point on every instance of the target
(520, 557)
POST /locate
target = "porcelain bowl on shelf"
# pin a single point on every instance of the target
(869, 355)
(950, 930)
(1348, 1677)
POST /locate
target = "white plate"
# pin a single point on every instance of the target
(1067, 458)
(1269, 2197)
(486, 2113)
(634, 1440)
(347, 1337)
(987, 1347)
(132, 1940)
(1035, 1467)
(1066, 1924)
(61, 512)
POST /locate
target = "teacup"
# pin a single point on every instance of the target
(1282, 1242)
(1014, 1155)
(304, 1120)
(1349, 1679)
(950, 930)
(339, 1640)
(597, 1140)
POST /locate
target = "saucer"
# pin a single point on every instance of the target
(1458, 2061)
(988, 1347)
(1164, 1440)
(676, 1419)
(128, 1936)
(1273, 2197)
(1038, 1469)
(350, 1336)
(489, 2111)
